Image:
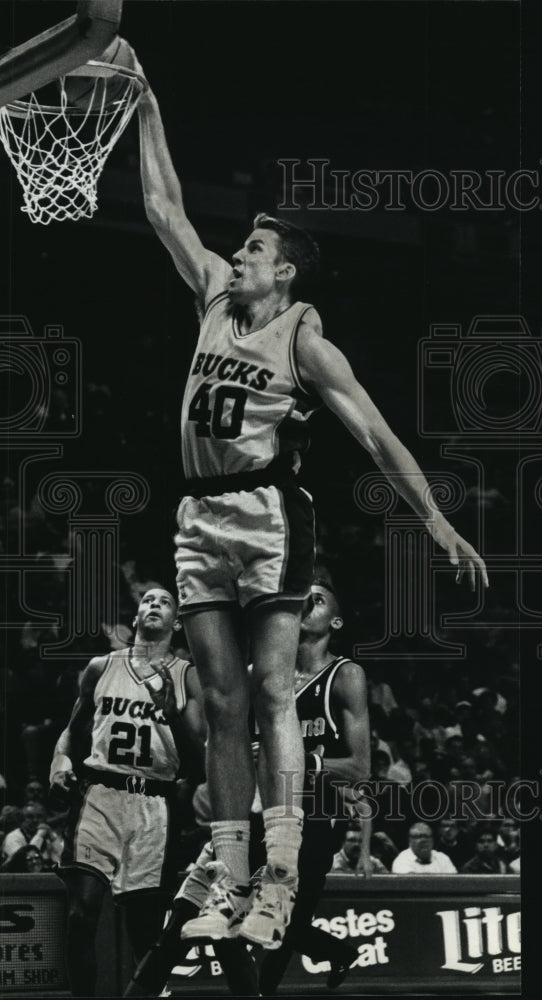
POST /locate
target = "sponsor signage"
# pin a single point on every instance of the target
(32, 935)
(461, 932)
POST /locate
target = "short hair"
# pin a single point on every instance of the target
(297, 247)
(321, 581)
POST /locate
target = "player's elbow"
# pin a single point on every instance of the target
(157, 212)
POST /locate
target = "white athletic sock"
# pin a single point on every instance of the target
(230, 841)
(283, 837)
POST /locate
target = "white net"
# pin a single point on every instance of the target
(59, 152)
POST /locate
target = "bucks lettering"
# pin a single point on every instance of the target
(232, 370)
(132, 709)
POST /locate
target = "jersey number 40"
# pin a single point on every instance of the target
(212, 419)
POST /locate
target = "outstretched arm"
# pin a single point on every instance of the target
(326, 370)
(205, 272)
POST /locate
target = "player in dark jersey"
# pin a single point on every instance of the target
(331, 699)
(135, 726)
(246, 528)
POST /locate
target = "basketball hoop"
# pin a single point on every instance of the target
(59, 151)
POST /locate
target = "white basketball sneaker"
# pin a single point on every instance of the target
(271, 907)
(224, 909)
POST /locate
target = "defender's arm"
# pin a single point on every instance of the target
(349, 709)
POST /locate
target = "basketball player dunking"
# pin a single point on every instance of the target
(136, 718)
(260, 368)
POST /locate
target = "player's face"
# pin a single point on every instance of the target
(157, 612)
(320, 611)
(255, 267)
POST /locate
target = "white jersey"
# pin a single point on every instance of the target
(244, 403)
(130, 734)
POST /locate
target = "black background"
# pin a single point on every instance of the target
(399, 85)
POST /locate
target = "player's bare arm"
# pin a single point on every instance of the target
(324, 368)
(187, 724)
(349, 709)
(69, 750)
(204, 271)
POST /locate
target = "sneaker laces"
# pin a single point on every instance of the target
(221, 889)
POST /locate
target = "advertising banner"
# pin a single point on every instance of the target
(460, 933)
(32, 934)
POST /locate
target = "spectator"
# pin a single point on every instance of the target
(32, 830)
(10, 818)
(380, 765)
(383, 848)
(401, 769)
(379, 744)
(26, 860)
(34, 792)
(508, 840)
(380, 693)
(466, 719)
(347, 860)
(453, 842)
(486, 860)
(420, 858)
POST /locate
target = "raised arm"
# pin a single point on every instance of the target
(71, 749)
(326, 370)
(205, 272)
(187, 724)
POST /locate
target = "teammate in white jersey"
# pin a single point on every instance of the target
(246, 528)
(135, 726)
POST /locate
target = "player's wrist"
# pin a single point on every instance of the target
(59, 765)
(314, 763)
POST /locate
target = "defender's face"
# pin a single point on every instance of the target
(320, 610)
(254, 267)
(157, 612)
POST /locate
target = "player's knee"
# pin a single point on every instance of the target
(272, 700)
(225, 709)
